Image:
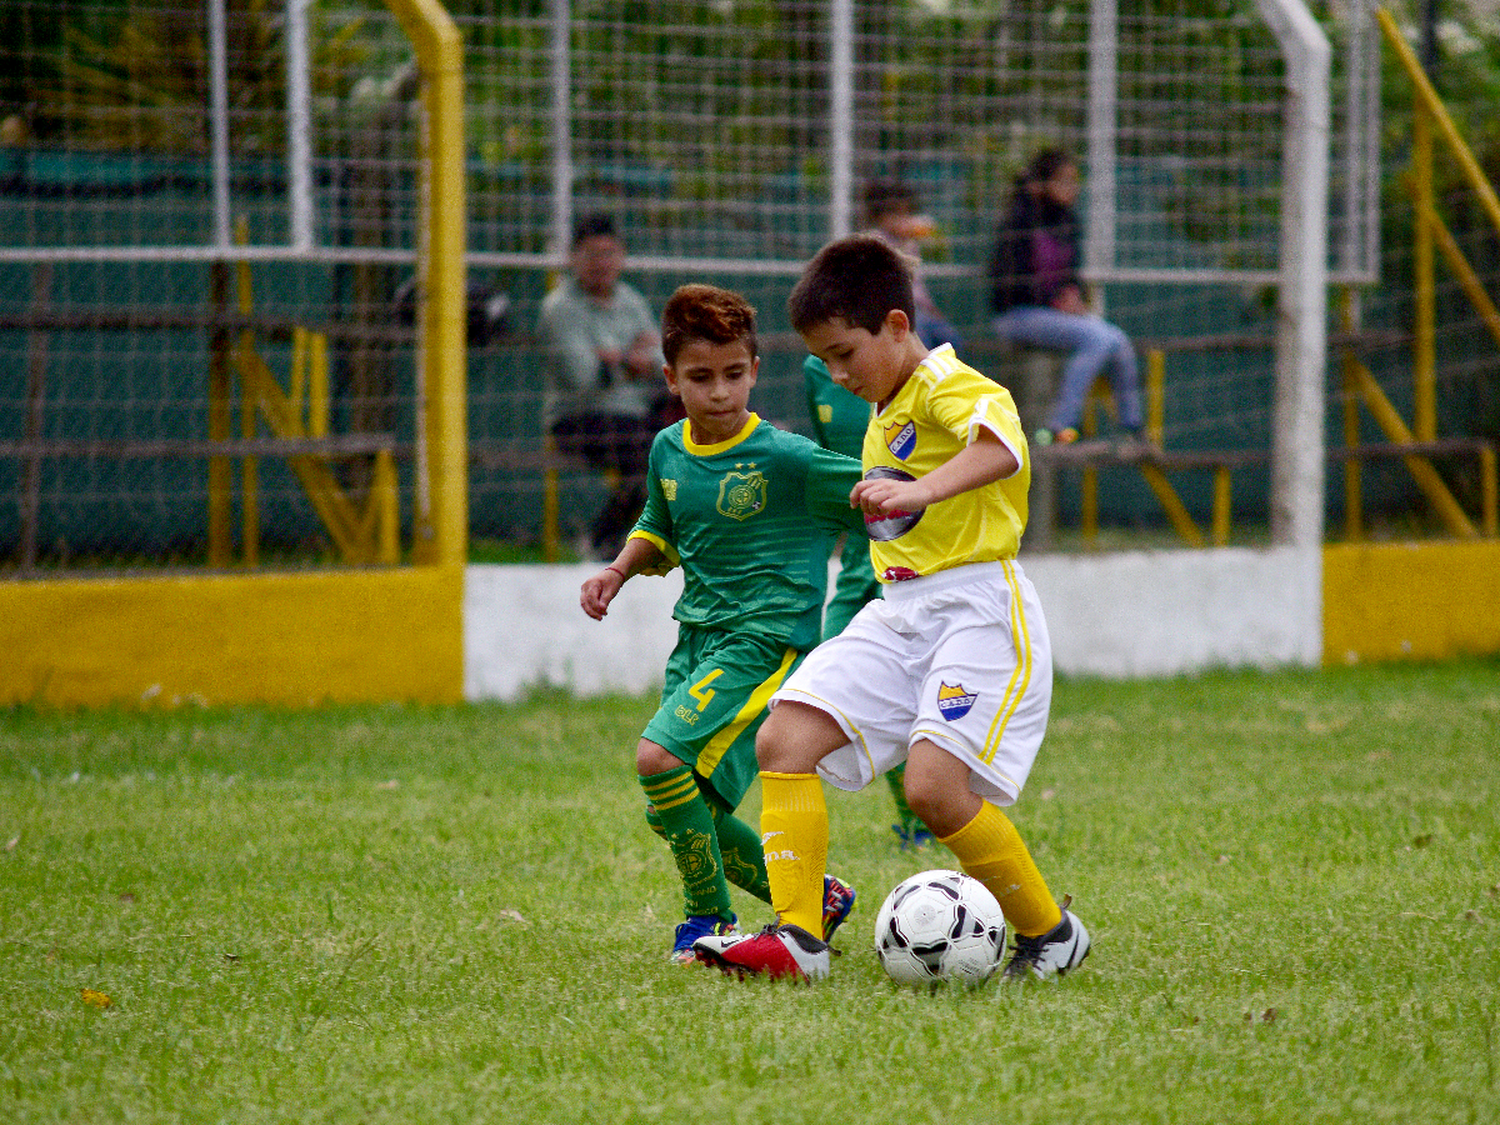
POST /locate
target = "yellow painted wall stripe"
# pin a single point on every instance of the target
(290, 639)
(1410, 601)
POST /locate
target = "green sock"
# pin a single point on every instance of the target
(688, 827)
(744, 858)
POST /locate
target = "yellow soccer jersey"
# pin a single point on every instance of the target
(936, 415)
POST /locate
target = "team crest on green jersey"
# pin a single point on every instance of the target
(742, 495)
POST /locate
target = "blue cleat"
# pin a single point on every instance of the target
(697, 926)
(838, 901)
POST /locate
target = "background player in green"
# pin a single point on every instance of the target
(839, 420)
(750, 513)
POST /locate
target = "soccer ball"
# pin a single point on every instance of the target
(939, 926)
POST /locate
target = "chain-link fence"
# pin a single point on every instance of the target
(208, 223)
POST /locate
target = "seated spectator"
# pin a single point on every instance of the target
(605, 375)
(1038, 298)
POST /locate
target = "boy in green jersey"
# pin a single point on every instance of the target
(750, 513)
(839, 420)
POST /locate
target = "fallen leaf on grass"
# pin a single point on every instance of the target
(96, 999)
(514, 916)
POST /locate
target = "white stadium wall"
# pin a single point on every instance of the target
(1119, 615)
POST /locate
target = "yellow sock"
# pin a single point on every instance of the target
(990, 849)
(794, 834)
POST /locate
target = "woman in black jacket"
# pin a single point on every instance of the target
(1038, 299)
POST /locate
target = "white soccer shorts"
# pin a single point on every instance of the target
(960, 658)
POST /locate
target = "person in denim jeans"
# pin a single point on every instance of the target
(1038, 298)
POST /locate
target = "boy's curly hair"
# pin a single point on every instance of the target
(706, 312)
(858, 279)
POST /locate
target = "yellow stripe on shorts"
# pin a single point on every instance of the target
(719, 745)
(1020, 679)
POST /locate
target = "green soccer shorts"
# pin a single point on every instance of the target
(713, 701)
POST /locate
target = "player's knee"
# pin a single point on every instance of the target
(795, 738)
(770, 745)
(943, 804)
(651, 758)
(923, 794)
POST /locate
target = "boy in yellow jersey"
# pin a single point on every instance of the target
(951, 670)
(749, 513)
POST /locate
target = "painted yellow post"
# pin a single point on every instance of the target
(1088, 514)
(1424, 342)
(1490, 510)
(317, 386)
(297, 378)
(249, 482)
(1354, 529)
(1426, 477)
(1156, 395)
(1473, 287)
(443, 536)
(385, 500)
(1426, 97)
(1223, 505)
(1177, 513)
(1354, 524)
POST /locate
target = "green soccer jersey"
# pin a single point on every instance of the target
(840, 419)
(751, 521)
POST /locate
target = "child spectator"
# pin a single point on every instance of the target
(891, 212)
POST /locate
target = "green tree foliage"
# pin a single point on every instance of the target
(128, 76)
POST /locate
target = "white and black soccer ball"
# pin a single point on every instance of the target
(939, 926)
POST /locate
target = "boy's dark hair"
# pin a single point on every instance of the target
(706, 312)
(593, 226)
(858, 279)
(884, 196)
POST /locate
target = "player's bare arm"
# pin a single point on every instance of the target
(598, 591)
(986, 459)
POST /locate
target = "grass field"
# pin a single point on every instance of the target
(388, 914)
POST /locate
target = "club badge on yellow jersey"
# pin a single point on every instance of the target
(901, 439)
(954, 701)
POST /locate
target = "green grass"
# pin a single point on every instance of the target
(388, 914)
